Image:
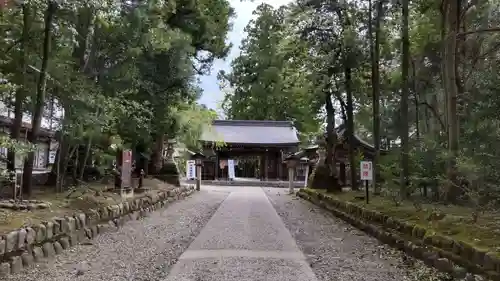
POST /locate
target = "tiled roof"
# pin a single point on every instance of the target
(342, 131)
(251, 132)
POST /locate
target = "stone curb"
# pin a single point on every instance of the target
(270, 184)
(26, 246)
(442, 253)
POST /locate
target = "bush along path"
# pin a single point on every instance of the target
(23, 247)
(441, 252)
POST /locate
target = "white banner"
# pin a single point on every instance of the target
(230, 168)
(190, 169)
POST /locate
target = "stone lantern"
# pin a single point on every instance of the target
(198, 158)
(307, 162)
(291, 161)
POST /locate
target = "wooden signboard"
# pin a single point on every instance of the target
(126, 173)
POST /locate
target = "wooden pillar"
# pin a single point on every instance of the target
(266, 164)
(277, 164)
(217, 167)
(261, 166)
(342, 173)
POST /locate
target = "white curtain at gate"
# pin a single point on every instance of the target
(230, 166)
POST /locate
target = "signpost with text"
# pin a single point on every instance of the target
(126, 173)
(366, 173)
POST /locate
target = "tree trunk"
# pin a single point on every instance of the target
(15, 132)
(40, 97)
(350, 122)
(451, 12)
(375, 57)
(58, 172)
(416, 100)
(331, 143)
(83, 163)
(156, 156)
(405, 173)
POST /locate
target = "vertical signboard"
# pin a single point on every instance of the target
(366, 171)
(126, 173)
(190, 169)
(230, 169)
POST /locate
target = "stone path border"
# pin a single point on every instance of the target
(440, 252)
(23, 247)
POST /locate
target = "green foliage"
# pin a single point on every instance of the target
(269, 80)
(123, 73)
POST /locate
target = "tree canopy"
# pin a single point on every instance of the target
(416, 78)
(121, 72)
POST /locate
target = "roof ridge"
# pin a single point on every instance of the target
(263, 123)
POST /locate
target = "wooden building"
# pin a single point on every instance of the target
(46, 141)
(258, 148)
(342, 153)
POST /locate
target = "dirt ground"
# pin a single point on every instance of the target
(68, 203)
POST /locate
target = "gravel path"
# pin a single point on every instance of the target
(334, 249)
(141, 250)
(244, 241)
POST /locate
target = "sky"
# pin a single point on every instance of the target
(212, 95)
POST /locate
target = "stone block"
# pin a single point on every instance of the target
(73, 238)
(48, 250)
(94, 230)
(478, 256)
(429, 257)
(37, 254)
(58, 249)
(103, 213)
(21, 238)
(11, 241)
(2, 245)
(126, 207)
(27, 259)
(154, 198)
(132, 205)
(134, 215)
(70, 225)
(103, 228)
(112, 211)
(459, 272)
(64, 241)
(489, 261)
(120, 209)
(93, 216)
(41, 233)
(58, 225)
(444, 264)
(83, 219)
(4, 269)
(16, 264)
(30, 236)
(81, 235)
(88, 233)
(58, 228)
(50, 229)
